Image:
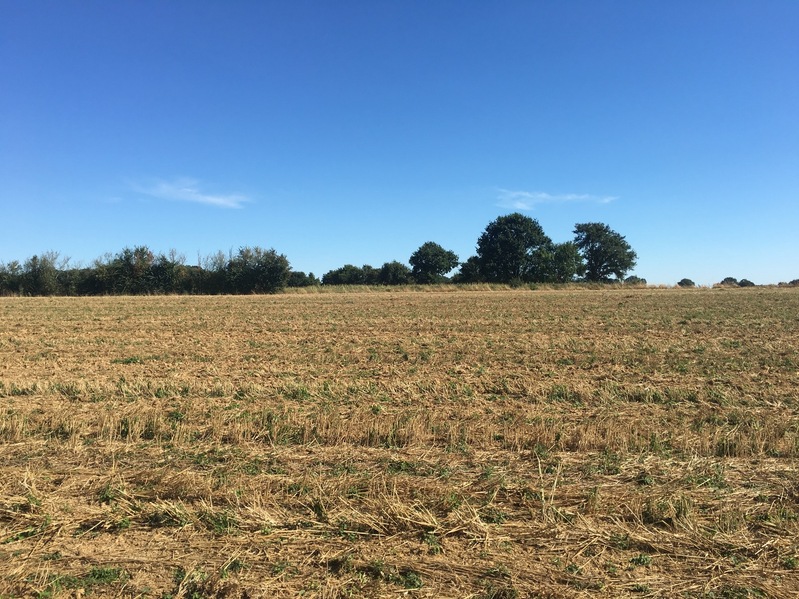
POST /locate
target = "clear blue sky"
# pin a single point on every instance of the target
(354, 131)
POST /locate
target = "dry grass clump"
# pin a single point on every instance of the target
(482, 443)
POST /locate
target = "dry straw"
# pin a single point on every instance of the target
(474, 443)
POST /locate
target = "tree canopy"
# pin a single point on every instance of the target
(556, 263)
(506, 249)
(605, 252)
(431, 262)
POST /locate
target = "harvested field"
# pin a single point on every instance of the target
(486, 444)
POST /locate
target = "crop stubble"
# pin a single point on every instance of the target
(467, 443)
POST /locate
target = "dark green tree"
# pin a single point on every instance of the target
(686, 283)
(394, 273)
(605, 252)
(169, 273)
(212, 275)
(346, 275)
(505, 249)
(256, 270)
(556, 263)
(469, 272)
(431, 262)
(635, 281)
(40, 274)
(10, 278)
(300, 279)
(371, 275)
(130, 272)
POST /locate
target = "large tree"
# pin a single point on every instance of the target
(431, 262)
(605, 252)
(506, 248)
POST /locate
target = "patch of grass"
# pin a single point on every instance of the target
(641, 560)
(220, 522)
(128, 360)
(96, 577)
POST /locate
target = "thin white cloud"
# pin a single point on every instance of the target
(188, 190)
(528, 200)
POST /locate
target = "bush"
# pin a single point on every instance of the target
(745, 283)
(633, 280)
(394, 273)
(686, 283)
(729, 282)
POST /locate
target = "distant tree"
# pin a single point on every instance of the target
(371, 275)
(300, 279)
(556, 263)
(40, 274)
(745, 283)
(729, 282)
(431, 262)
(794, 283)
(469, 272)
(686, 283)
(394, 273)
(70, 280)
(634, 280)
(169, 273)
(130, 271)
(506, 248)
(346, 275)
(605, 252)
(10, 278)
(255, 270)
(211, 274)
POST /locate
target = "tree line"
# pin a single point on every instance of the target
(513, 249)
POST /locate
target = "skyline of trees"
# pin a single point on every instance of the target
(513, 249)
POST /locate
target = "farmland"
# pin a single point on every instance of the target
(492, 444)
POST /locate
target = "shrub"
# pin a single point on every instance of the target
(394, 273)
(686, 283)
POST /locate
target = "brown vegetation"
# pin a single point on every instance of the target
(490, 444)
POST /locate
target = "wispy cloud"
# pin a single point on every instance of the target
(188, 190)
(528, 200)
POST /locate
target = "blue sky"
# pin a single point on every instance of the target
(354, 131)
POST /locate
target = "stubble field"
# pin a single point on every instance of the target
(491, 444)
